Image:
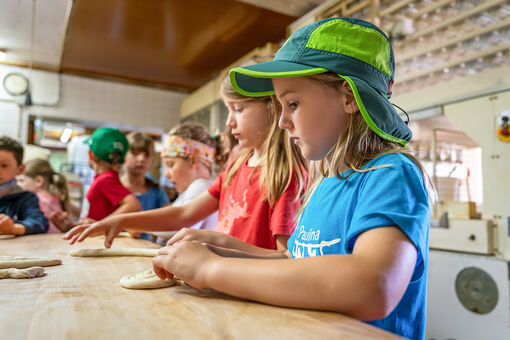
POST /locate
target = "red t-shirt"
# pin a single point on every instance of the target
(105, 194)
(243, 213)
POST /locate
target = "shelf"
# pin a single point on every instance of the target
(396, 6)
(455, 62)
(455, 41)
(455, 19)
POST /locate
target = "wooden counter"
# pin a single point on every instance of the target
(82, 299)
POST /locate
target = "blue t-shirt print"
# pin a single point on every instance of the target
(340, 209)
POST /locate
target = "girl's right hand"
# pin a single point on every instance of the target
(108, 227)
(200, 235)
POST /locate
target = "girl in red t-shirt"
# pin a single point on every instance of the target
(257, 196)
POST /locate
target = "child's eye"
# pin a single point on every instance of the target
(238, 109)
(293, 105)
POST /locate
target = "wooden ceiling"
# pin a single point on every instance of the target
(172, 43)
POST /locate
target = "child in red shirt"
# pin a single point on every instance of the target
(106, 195)
(257, 196)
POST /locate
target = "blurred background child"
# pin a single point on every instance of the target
(106, 196)
(137, 165)
(19, 210)
(50, 188)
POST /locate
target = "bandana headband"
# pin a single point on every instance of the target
(176, 146)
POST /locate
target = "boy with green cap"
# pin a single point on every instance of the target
(106, 195)
(360, 246)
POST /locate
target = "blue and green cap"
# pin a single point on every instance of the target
(356, 50)
(106, 141)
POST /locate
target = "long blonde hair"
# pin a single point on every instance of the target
(281, 159)
(56, 183)
(354, 148)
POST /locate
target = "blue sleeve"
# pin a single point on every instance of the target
(32, 217)
(163, 197)
(394, 196)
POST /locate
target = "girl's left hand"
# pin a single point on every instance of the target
(190, 261)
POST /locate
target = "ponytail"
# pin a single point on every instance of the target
(60, 189)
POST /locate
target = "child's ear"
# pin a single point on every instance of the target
(39, 180)
(21, 169)
(91, 156)
(194, 162)
(350, 105)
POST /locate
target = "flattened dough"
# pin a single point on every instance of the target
(27, 273)
(145, 280)
(26, 262)
(115, 252)
(4, 237)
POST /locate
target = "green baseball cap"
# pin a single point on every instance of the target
(356, 50)
(106, 141)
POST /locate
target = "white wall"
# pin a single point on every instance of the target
(124, 105)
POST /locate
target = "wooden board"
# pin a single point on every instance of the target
(82, 299)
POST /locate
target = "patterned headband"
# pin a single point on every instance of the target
(176, 146)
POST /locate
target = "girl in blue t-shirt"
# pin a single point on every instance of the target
(361, 243)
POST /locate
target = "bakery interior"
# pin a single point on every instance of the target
(68, 67)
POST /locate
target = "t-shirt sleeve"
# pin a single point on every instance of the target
(394, 196)
(215, 188)
(283, 217)
(113, 190)
(163, 197)
(32, 217)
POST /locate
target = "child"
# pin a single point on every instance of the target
(19, 210)
(107, 196)
(49, 186)
(257, 196)
(368, 211)
(188, 155)
(136, 166)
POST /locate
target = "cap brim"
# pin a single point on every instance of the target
(255, 80)
(376, 109)
(378, 112)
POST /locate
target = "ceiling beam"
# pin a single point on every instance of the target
(294, 8)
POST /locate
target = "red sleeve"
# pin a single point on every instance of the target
(283, 217)
(215, 188)
(113, 190)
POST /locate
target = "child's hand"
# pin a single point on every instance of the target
(62, 220)
(203, 236)
(107, 227)
(8, 227)
(189, 261)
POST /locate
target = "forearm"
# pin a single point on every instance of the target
(227, 252)
(335, 283)
(32, 226)
(167, 218)
(231, 242)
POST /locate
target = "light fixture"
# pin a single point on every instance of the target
(66, 135)
(3, 54)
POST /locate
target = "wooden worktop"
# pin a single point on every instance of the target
(82, 299)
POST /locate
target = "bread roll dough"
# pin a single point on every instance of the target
(115, 252)
(27, 273)
(145, 280)
(26, 262)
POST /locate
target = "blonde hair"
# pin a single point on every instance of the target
(355, 148)
(56, 182)
(281, 159)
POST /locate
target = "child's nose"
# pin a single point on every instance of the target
(230, 121)
(284, 122)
